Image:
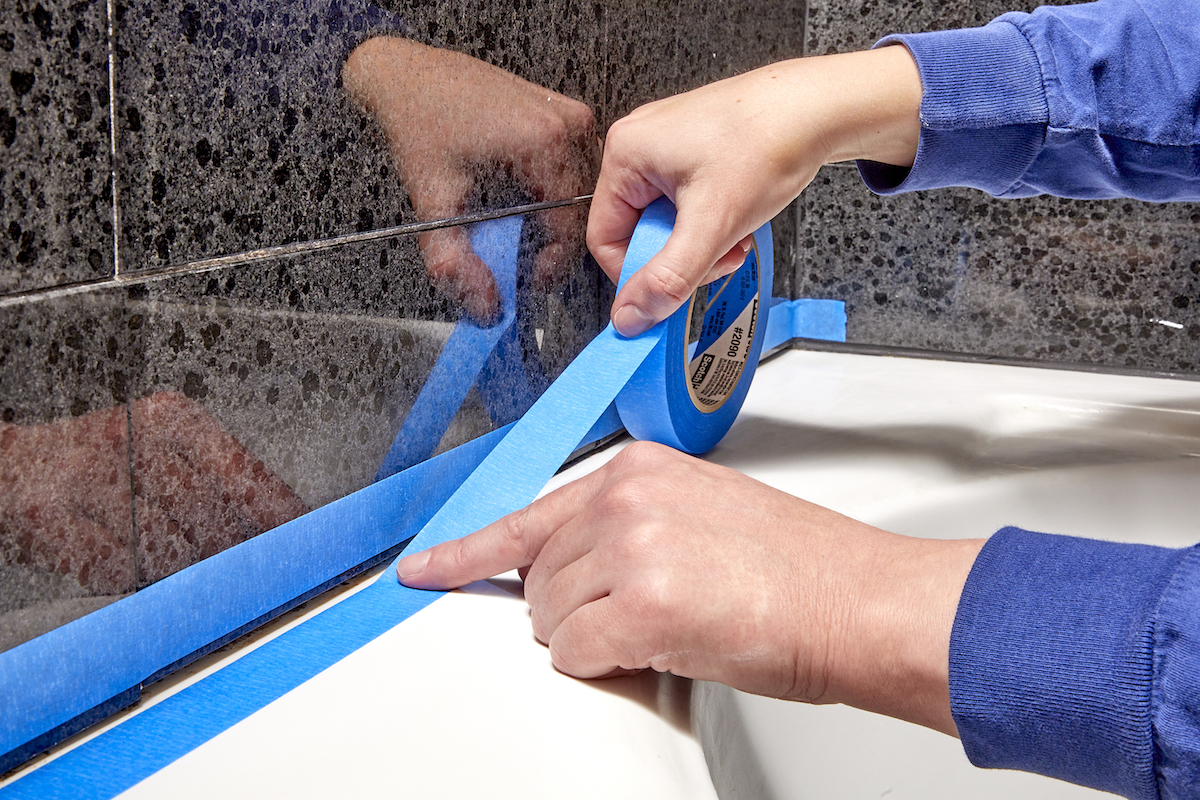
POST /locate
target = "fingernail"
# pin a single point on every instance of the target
(412, 566)
(629, 320)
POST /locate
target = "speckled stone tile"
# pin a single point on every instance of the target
(842, 26)
(661, 48)
(235, 131)
(55, 162)
(66, 530)
(1110, 283)
(289, 381)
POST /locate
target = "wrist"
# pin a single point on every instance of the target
(875, 97)
(894, 653)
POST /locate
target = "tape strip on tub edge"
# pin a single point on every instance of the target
(289, 667)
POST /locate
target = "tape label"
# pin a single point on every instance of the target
(725, 335)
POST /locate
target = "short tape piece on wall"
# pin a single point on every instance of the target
(805, 319)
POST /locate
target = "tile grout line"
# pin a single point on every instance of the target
(112, 135)
(275, 252)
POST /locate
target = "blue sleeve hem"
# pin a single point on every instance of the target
(1176, 694)
(983, 112)
(1051, 659)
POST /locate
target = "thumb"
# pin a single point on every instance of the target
(694, 254)
(457, 272)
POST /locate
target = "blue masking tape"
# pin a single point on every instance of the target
(53, 680)
(506, 480)
(805, 319)
(50, 680)
(148, 741)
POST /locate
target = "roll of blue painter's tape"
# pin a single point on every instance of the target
(688, 393)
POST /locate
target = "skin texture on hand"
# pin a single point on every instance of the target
(663, 561)
(450, 120)
(66, 495)
(732, 155)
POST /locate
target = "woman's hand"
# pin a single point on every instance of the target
(663, 561)
(732, 155)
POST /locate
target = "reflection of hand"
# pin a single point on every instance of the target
(65, 493)
(447, 117)
(664, 561)
(732, 155)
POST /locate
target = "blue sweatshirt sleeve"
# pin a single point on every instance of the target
(1080, 659)
(1089, 101)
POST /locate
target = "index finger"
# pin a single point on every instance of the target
(511, 542)
(620, 197)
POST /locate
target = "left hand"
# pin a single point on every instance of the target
(659, 560)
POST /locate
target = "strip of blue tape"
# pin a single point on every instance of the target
(384, 513)
(491, 355)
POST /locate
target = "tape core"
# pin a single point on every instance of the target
(722, 316)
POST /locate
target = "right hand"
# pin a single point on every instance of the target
(732, 155)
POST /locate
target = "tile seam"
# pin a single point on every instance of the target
(273, 253)
(112, 135)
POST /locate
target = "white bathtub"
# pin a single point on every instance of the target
(460, 701)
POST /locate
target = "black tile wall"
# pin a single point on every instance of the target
(235, 131)
(311, 363)
(56, 212)
(1108, 283)
(67, 543)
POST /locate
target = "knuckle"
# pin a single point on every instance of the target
(637, 544)
(668, 283)
(624, 496)
(514, 538)
(644, 456)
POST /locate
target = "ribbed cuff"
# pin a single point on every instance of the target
(983, 111)
(1176, 681)
(1051, 658)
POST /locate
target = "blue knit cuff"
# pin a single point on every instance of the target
(983, 112)
(1051, 658)
(1176, 687)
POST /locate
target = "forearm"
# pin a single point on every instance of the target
(1060, 661)
(891, 651)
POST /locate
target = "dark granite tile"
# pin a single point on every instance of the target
(55, 162)
(842, 26)
(235, 131)
(66, 530)
(783, 234)
(1042, 278)
(663, 48)
(284, 384)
